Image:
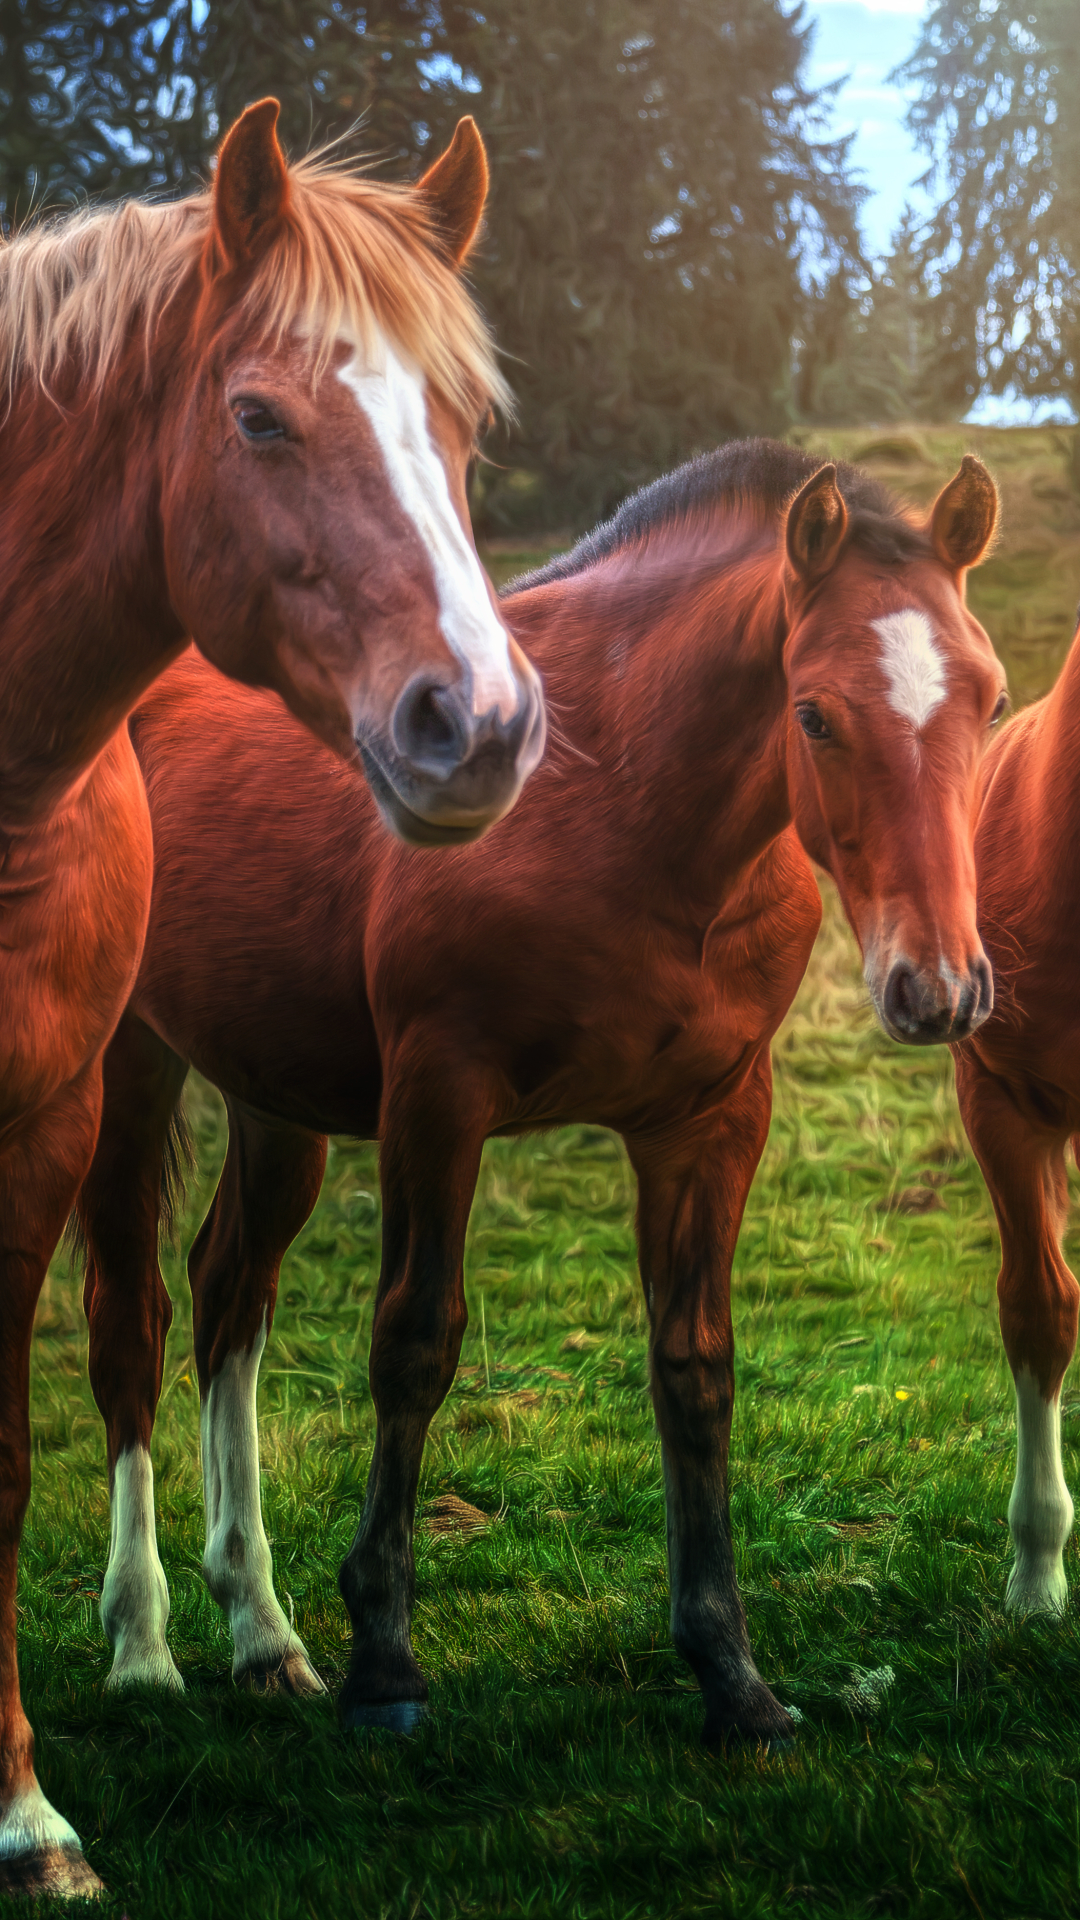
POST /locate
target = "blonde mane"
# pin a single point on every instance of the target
(355, 255)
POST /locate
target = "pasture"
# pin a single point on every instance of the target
(560, 1773)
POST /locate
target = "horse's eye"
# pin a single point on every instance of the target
(810, 720)
(1000, 710)
(257, 422)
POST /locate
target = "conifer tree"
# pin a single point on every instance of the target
(998, 85)
(97, 97)
(660, 185)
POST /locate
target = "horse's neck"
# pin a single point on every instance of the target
(673, 683)
(85, 620)
(1051, 748)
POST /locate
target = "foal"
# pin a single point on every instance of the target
(1019, 1089)
(245, 417)
(753, 658)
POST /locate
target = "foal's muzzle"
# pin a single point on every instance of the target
(925, 1008)
(443, 774)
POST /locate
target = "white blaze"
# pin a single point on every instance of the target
(237, 1564)
(135, 1596)
(392, 397)
(1040, 1511)
(913, 665)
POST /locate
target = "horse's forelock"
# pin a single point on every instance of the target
(354, 255)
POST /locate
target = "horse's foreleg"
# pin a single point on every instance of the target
(41, 1166)
(1024, 1168)
(692, 1186)
(129, 1311)
(429, 1163)
(268, 1187)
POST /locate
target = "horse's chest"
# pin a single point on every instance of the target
(74, 895)
(631, 1052)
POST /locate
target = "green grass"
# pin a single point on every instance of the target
(560, 1773)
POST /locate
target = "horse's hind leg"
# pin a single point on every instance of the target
(692, 1185)
(40, 1169)
(268, 1187)
(129, 1312)
(1024, 1168)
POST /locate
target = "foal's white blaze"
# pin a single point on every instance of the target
(392, 396)
(30, 1824)
(236, 1565)
(1040, 1511)
(135, 1595)
(913, 665)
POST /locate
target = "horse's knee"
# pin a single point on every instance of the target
(1038, 1313)
(415, 1344)
(693, 1389)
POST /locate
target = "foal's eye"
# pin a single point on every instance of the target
(1000, 710)
(256, 422)
(810, 720)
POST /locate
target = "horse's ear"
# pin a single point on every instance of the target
(816, 524)
(456, 187)
(965, 515)
(251, 186)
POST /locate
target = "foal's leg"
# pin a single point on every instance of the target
(429, 1164)
(40, 1170)
(1024, 1169)
(268, 1187)
(692, 1185)
(130, 1312)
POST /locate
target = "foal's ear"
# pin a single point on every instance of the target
(456, 187)
(816, 524)
(965, 516)
(251, 186)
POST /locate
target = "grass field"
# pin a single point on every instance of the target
(938, 1770)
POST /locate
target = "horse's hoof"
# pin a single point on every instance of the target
(158, 1672)
(293, 1673)
(773, 1731)
(63, 1872)
(393, 1716)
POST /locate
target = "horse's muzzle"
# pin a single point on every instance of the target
(443, 774)
(924, 1008)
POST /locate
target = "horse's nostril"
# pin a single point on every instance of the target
(916, 1007)
(985, 981)
(898, 1000)
(430, 729)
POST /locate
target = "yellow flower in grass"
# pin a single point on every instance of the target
(902, 1393)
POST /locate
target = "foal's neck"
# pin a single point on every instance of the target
(85, 620)
(667, 670)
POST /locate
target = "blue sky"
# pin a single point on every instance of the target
(861, 41)
(865, 39)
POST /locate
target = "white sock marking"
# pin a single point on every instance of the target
(237, 1565)
(913, 665)
(1040, 1511)
(392, 396)
(135, 1596)
(30, 1824)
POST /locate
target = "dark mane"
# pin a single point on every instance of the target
(767, 472)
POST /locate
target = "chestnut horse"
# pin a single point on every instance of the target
(245, 417)
(750, 660)
(1019, 1088)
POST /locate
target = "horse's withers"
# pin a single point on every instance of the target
(886, 741)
